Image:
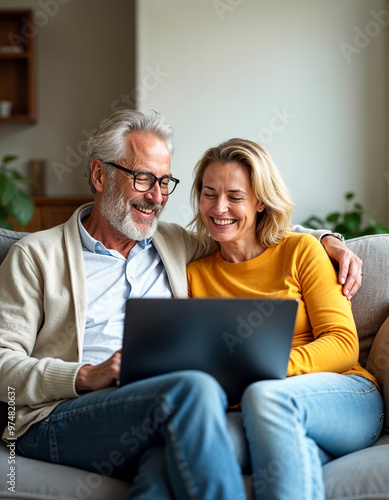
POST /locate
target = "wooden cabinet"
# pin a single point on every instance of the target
(52, 210)
(17, 64)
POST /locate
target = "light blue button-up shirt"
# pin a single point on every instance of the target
(110, 281)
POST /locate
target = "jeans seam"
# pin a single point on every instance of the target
(377, 431)
(364, 392)
(53, 444)
(302, 447)
(180, 464)
(20, 450)
(338, 391)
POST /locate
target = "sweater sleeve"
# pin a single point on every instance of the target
(36, 377)
(335, 346)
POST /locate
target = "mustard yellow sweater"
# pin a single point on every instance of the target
(325, 337)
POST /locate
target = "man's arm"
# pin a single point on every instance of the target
(317, 233)
(33, 364)
(350, 266)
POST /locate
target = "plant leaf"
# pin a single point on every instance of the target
(378, 229)
(333, 217)
(8, 158)
(347, 223)
(367, 231)
(359, 208)
(344, 230)
(7, 189)
(5, 224)
(352, 221)
(21, 207)
(14, 174)
(17, 177)
(313, 222)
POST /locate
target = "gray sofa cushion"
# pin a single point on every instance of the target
(37, 480)
(238, 438)
(8, 238)
(362, 475)
(371, 304)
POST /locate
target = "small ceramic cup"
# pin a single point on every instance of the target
(5, 108)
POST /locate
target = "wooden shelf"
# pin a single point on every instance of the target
(51, 211)
(17, 55)
(17, 68)
(18, 118)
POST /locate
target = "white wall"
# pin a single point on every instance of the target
(215, 74)
(85, 62)
(231, 67)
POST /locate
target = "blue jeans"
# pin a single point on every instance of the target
(171, 430)
(295, 425)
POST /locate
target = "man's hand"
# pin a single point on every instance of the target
(350, 266)
(94, 377)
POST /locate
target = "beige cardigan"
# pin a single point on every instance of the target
(43, 313)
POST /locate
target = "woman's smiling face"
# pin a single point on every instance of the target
(228, 204)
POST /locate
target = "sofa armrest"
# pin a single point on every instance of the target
(378, 365)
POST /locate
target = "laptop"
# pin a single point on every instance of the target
(238, 341)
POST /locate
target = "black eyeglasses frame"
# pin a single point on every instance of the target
(135, 173)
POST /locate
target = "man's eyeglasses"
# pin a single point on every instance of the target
(144, 181)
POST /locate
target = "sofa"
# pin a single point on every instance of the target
(363, 475)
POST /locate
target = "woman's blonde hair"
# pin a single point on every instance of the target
(265, 180)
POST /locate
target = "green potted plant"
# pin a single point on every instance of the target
(14, 202)
(350, 223)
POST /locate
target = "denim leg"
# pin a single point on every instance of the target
(108, 431)
(291, 424)
(151, 480)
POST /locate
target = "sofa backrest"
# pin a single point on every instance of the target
(371, 304)
(8, 238)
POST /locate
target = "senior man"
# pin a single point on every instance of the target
(63, 294)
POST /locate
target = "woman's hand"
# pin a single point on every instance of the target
(350, 266)
(94, 377)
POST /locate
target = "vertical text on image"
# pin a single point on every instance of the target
(11, 475)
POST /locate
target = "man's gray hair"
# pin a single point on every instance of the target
(108, 143)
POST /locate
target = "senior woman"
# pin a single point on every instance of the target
(328, 405)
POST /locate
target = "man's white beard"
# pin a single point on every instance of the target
(124, 220)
